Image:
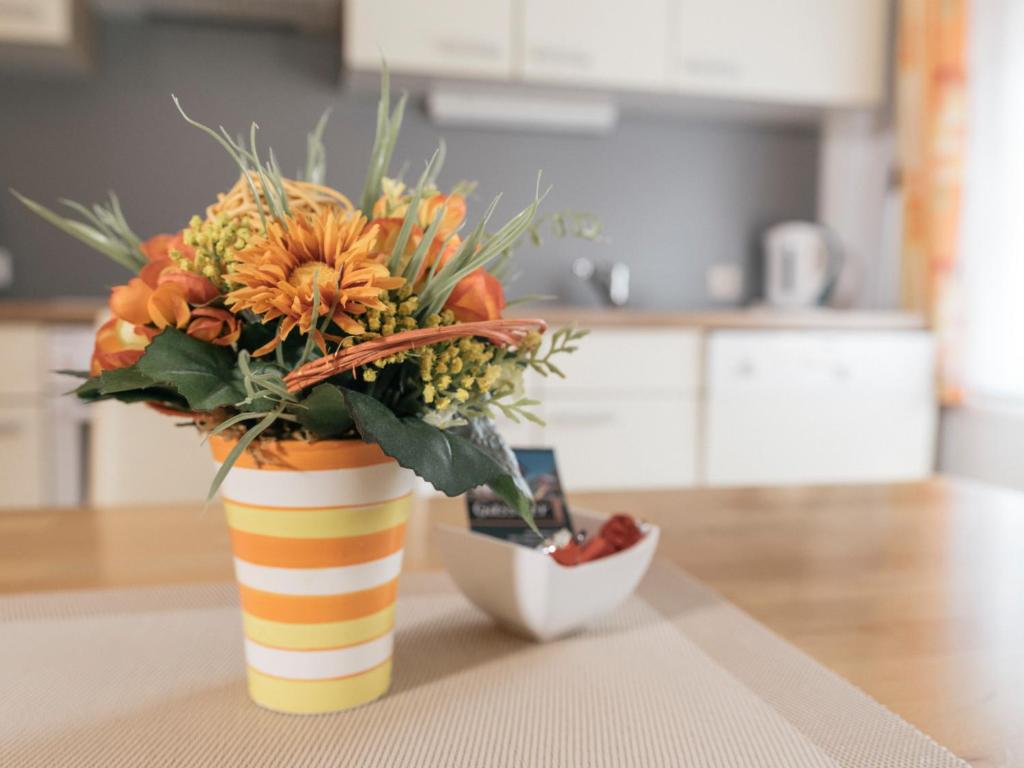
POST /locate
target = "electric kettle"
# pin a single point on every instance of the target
(801, 264)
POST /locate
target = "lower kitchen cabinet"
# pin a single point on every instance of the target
(23, 465)
(626, 413)
(623, 442)
(818, 407)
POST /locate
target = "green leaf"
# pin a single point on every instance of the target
(325, 413)
(123, 380)
(91, 391)
(204, 374)
(449, 462)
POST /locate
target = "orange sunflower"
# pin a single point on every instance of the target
(273, 275)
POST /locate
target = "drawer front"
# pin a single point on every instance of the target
(624, 443)
(462, 38)
(820, 362)
(630, 361)
(23, 350)
(22, 468)
(770, 440)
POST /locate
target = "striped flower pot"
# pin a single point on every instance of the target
(317, 531)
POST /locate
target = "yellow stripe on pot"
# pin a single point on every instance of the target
(312, 696)
(318, 523)
(332, 634)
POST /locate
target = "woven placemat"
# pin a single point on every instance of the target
(675, 677)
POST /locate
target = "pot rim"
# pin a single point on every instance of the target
(302, 455)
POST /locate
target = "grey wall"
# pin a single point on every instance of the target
(675, 195)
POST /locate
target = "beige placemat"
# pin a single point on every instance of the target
(676, 677)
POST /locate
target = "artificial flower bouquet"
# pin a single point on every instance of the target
(286, 313)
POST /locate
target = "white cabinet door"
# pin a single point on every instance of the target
(459, 38)
(599, 42)
(796, 51)
(22, 456)
(23, 349)
(634, 362)
(608, 443)
(816, 407)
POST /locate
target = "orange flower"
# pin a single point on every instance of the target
(159, 247)
(162, 292)
(477, 296)
(274, 274)
(118, 345)
(454, 213)
(387, 235)
(393, 206)
(217, 326)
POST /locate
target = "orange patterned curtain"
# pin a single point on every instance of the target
(931, 117)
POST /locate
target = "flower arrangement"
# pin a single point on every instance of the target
(287, 312)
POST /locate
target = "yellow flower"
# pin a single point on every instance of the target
(274, 274)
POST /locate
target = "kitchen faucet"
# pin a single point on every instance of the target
(611, 281)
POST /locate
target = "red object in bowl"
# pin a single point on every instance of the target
(618, 533)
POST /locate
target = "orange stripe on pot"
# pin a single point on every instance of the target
(314, 609)
(302, 456)
(316, 553)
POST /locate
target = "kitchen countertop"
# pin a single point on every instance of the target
(752, 319)
(912, 592)
(85, 310)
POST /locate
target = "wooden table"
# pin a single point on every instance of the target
(915, 592)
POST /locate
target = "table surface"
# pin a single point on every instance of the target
(915, 593)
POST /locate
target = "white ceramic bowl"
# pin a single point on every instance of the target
(530, 594)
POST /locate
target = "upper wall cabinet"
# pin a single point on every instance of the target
(828, 52)
(597, 42)
(457, 38)
(816, 53)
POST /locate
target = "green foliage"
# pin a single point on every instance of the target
(388, 127)
(477, 251)
(204, 374)
(316, 154)
(412, 213)
(115, 385)
(325, 414)
(247, 159)
(448, 461)
(562, 341)
(103, 228)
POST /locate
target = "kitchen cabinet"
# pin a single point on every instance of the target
(22, 454)
(819, 53)
(597, 42)
(626, 414)
(818, 407)
(828, 52)
(455, 38)
(42, 432)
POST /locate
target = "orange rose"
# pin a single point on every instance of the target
(118, 345)
(454, 213)
(159, 247)
(477, 296)
(162, 292)
(217, 326)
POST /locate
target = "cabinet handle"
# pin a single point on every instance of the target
(721, 69)
(464, 48)
(566, 57)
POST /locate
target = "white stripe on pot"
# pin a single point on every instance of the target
(319, 665)
(319, 581)
(317, 488)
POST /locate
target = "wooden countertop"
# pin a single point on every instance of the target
(915, 593)
(85, 310)
(748, 319)
(51, 311)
